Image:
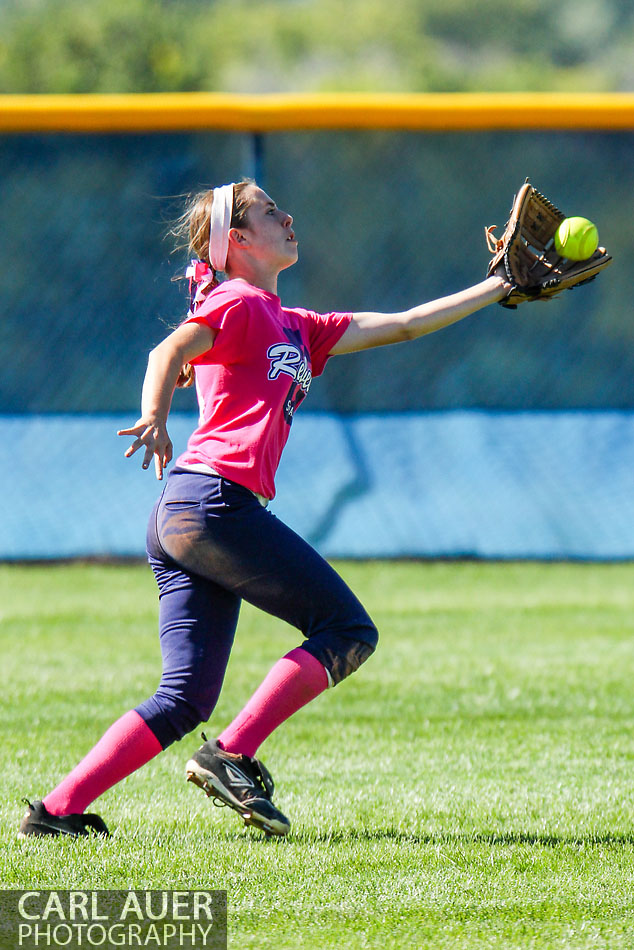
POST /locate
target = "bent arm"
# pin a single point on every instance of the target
(378, 329)
(164, 365)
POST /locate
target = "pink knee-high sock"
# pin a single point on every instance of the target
(294, 680)
(127, 745)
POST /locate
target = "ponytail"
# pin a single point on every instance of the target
(185, 377)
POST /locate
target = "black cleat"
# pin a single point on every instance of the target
(240, 782)
(38, 821)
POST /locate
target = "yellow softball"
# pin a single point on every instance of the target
(576, 238)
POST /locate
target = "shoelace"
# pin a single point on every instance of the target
(262, 775)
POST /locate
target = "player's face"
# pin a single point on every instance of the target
(269, 231)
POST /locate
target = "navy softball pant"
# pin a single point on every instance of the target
(211, 544)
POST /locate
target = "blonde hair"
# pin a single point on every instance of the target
(191, 231)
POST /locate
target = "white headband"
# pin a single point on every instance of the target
(219, 224)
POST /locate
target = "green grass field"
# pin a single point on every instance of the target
(470, 787)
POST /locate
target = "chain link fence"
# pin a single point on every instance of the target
(384, 220)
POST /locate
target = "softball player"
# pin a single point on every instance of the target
(212, 541)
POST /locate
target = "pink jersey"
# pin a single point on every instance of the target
(252, 380)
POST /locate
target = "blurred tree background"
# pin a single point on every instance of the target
(250, 46)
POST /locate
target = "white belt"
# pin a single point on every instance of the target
(201, 468)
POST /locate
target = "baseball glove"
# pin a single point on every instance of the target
(527, 254)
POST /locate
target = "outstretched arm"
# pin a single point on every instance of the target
(164, 365)
(378, 329)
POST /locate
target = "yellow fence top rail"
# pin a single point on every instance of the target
(167, 112)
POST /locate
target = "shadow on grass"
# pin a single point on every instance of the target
(302, 839)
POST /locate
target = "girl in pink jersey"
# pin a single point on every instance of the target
(212, 542)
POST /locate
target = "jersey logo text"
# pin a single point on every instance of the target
(287, 358)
